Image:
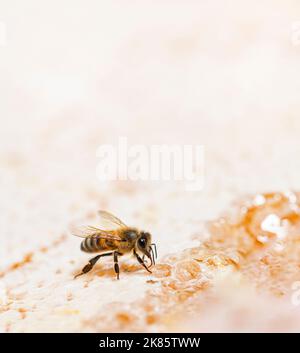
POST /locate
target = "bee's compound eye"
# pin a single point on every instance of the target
(142, 242)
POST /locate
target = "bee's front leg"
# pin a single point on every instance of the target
(140, 260)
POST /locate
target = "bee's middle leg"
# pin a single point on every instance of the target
(116, 264)
(87, 268)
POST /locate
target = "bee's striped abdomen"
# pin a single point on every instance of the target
(90, 244)
(96, 244)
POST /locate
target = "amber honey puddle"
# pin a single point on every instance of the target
(259, 238)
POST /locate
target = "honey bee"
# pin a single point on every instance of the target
(117, 241)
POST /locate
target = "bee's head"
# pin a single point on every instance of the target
(145, 246)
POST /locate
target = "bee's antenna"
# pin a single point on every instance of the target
(152, 255)
(154, 245)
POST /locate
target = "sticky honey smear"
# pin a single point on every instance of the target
(258, 241)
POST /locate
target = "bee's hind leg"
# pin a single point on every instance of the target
(87, 268)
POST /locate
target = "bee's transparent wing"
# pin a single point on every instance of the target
(82, 231)
(89, 231)
(110, 221)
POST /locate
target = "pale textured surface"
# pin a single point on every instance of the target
(76, 75)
